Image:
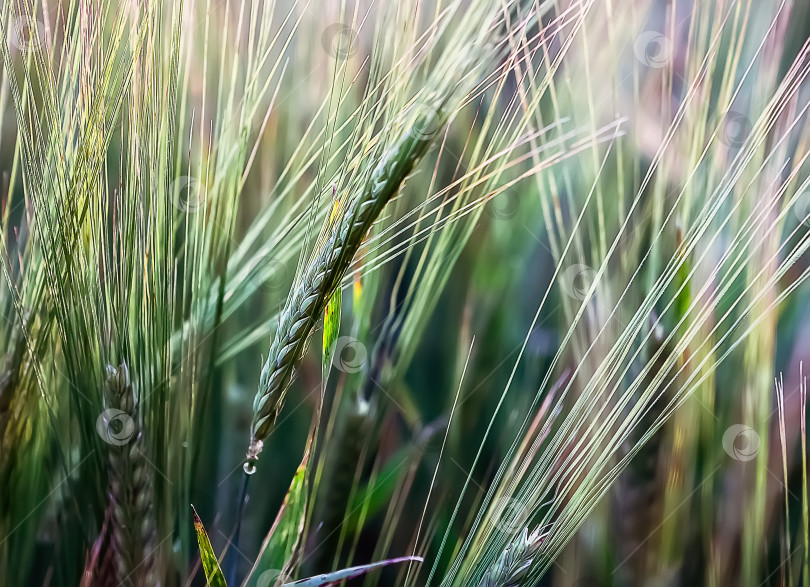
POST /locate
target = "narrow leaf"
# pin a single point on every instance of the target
(280, 543)
(209, 560)
(351, 572)
(331, 329)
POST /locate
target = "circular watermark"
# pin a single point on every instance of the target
(514, 516)
(504, 206)
(350, 354)
(115, 427)
(653, 49)
(741, 442)
(339, 40)
(427, 120)
(428, 437)
(576, 281)
(802, 208)
(26, 34)
(736, 130)
(268, 275)
(188, 194)
(273, 578)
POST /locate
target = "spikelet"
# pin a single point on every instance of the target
(513, 566)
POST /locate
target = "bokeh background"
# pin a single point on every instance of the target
(583, 313)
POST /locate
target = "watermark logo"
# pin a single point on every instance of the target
(273, 578)
(268, 275)
(26, 34)
(802, 208)
(115, 427)
(504, 206)
(741, 442)
(653, 49)
(736, 129)
(188, 194)
(514, 516)
(350, 354)
(427, 121)
(339, 40)
(577, 280)
(429, 438)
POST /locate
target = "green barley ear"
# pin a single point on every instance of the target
(130, 483)
(513, 566)
(454, 74)
(323, 273)
(346, 453)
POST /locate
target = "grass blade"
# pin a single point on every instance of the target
(352, 572)
(281, 542)
(209, 560)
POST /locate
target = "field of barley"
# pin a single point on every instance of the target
(452, 293)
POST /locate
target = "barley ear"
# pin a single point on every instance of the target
(130, 488)
(345, 456)
(323, 274)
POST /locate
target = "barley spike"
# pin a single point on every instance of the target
(130, 489)
(322, 275)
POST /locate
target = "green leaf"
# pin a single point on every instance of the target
(280, 543)
(351, 572)
(209, 560)
(331, 329)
